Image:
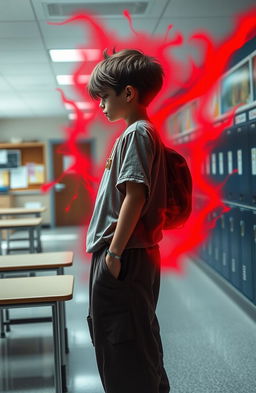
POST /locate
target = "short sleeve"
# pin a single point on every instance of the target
(136, 160)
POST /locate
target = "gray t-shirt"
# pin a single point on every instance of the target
(138, 156)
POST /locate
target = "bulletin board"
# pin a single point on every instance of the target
(30, 171)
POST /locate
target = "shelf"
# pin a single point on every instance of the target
(9, 145)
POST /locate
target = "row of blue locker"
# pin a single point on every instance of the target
(235, 150)
(231, 249)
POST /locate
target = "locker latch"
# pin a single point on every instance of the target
(254, 231)
(231, 220)
(242, 229)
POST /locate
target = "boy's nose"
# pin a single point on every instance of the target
(101, 105)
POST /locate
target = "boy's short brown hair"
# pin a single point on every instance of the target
(127, 67)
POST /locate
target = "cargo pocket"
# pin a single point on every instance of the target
(119, 328)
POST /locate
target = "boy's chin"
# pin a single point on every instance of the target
(112, 119)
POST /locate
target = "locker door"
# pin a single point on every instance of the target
(225, 254)
(203, 249)
(231, 157)
(252, 165)
(254, 254)
(213, 155)
(246, 232)
(221, 158)
(209, 244)
(234, 238)
(242, 191)
(216, 245)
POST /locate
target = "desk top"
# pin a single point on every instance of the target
(36, 289)
(20, 222)
(46, 260)
(21, 210)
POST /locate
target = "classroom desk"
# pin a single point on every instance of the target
(39, 292)
(21, 211)
(57, 260)
(14, 211)
(31, 224)
(47, 261)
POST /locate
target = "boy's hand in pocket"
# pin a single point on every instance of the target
(114, 265)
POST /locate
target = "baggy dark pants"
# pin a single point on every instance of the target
(123, 324)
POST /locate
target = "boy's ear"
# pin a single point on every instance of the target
(130, 93)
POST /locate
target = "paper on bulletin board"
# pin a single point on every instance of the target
(19, 177)
(4, 178)
(35, 173)
(3, 156)
(39, 173)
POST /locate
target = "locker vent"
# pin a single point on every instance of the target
(58, 10)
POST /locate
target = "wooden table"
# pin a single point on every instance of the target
(39, 292)
(31, 224)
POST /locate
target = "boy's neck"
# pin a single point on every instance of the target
(140, 114)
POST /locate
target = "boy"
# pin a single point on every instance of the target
(125, 229)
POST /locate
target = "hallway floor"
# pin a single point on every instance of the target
(209, 342)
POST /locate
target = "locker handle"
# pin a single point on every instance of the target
(231, 220)
(242, 229)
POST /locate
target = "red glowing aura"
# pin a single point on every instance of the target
(201, 84)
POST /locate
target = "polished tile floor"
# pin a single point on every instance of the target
(209, 342)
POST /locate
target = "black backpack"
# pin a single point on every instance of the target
(179, 190)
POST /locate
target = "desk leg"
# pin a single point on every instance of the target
(31, 240)
(7, 241)
(2, 317)
(60, 271)
(7, 320)
(57, 348)
(2, 323)
(1, 252)
(39, 244)
(63, 352)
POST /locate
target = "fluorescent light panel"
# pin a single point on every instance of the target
(68, 79)
(80, 105)
(68, 55)
(72, 116)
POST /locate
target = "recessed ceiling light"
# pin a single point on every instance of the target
(67, 55)
(72, 116)
(69, 79)
(80, 105)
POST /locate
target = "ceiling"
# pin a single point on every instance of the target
(27, 74)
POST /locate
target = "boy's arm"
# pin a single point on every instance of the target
(128, 217)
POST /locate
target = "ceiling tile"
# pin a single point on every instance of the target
(16, 10)
(205, 8)
(23, 57)
(13, 29)
(12, 44)
(217, 27)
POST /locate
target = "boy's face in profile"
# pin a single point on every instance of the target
(113, 106)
